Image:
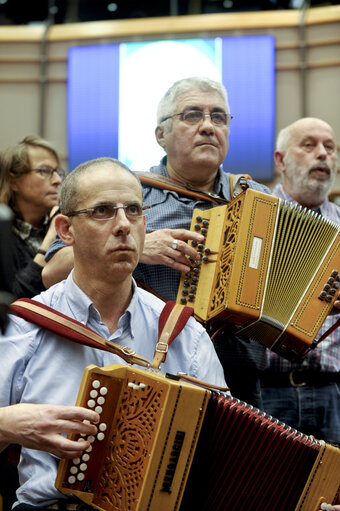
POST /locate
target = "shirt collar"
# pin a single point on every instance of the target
(81, 306)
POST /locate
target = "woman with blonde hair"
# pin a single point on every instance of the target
(30, 178)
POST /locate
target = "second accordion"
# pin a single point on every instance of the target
(167, 445)
(269, 267)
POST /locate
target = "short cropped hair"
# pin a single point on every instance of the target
(167, 104)
(14, 163)
(69, 188)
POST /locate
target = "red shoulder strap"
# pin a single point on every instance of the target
(171, 322)
(71, 329)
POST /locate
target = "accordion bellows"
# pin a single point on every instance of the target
(268, 266)
(164, 444)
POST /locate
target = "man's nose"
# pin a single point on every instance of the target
(121, 221)
(321, 151)
(206, 124)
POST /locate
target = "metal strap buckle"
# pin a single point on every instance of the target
(292, 382)
(162, 347)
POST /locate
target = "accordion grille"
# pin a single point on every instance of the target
(299, 234)
(247, 460)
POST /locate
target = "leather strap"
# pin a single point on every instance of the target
(71, 329)
(172, 320)
(165, 183)
(328, 331)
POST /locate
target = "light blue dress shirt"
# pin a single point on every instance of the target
(37, 366)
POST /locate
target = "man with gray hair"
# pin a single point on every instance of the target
(193, 128)
(307, 395)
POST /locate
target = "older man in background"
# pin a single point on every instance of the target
(306, 395)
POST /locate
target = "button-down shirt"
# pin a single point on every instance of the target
(38, 366)
(326, 357)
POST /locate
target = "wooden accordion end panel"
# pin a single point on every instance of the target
(168, 445)
(270, 267)
(146, 422)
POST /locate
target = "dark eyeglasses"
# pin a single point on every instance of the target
(47, 172)
(193, 117)
(108, 211)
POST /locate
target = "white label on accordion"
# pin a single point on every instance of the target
(255, 253)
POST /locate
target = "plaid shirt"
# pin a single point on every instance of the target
(173, 211)
(326, 357)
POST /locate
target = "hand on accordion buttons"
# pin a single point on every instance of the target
(41, 427)
(169, 247)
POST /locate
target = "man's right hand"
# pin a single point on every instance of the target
(159, 248)
(41, 427)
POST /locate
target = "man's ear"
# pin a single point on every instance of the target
(279, 159)
(63, 226)
(159, 132)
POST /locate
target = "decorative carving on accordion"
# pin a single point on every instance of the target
(231, 226)
(127, 454)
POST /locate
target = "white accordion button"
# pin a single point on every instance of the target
(83, 467)
(76, 461)
(98, 409)
(73, 470)
(71, 480)
(102, 426)
(101, 400)
(96, 384)
(89, 449)
(85, 457)
(93, 394)
(81, 476)
(100, 436)
(103, 391)
(91, 439)
(91, 403)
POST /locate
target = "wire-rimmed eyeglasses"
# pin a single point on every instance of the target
(108, 211)
(193, 117)
(47, 172)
